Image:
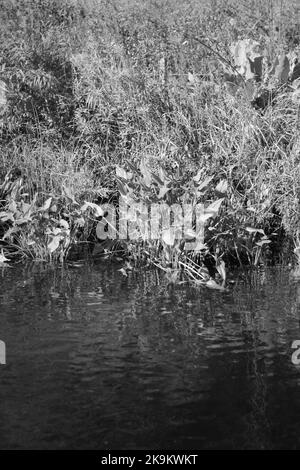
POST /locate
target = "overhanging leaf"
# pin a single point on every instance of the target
(46, 205)
(255, 230)
(222, 186)
(54, 244)
(214, 207)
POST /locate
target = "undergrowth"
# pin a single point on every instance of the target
(177, 87)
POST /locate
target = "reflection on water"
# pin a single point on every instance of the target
(99, 361)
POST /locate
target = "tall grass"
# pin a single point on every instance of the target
(94, 84)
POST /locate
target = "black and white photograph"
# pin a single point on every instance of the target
(149, 228)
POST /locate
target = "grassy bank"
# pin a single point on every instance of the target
(93, 91)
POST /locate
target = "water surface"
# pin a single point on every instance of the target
(96, 360)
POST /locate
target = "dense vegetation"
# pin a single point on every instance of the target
(153, 100)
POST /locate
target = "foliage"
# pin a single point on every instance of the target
(260, 82)
(178, 196)
(173, 86)
(42, 229)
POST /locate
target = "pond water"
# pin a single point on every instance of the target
(96, 360)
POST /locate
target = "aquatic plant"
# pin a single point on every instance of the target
(42, 229)
(86, 87)
(177, 199)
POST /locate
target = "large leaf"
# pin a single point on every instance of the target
(281, 68)
(211, 283)
(215, 206)
(211, 211)
(220, 265)
(168, 236)
(255, 230)
(54, 244)
(68, 193)
(163, 191)
(121, 173)
(198, 175)
(63, 223)
(98, 211)
(222, 186)
(254, 69)
(46, 205)
(199, 246)
(204, 217)
(247, 58)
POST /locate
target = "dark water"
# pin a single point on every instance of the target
(99, 361)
